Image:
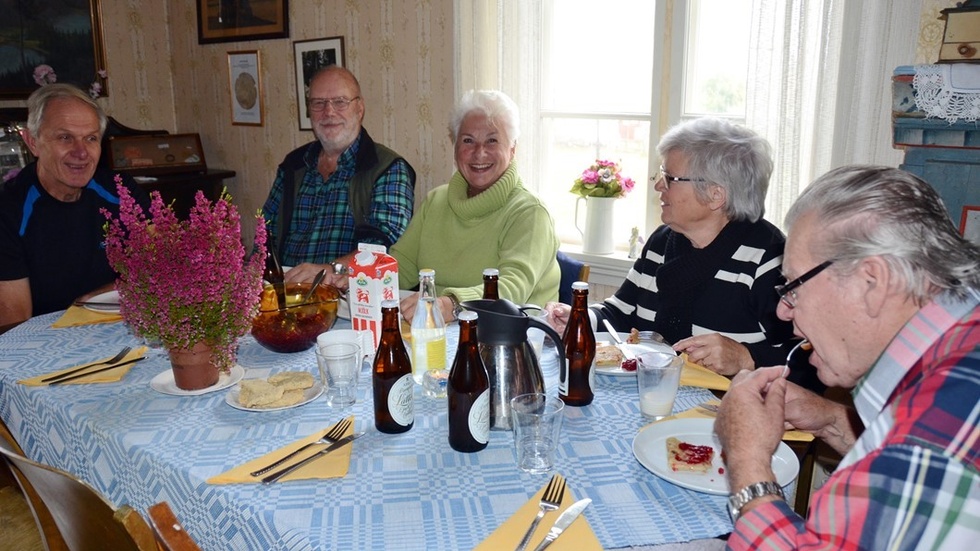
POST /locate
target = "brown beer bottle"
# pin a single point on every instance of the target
(391, 376)
(576, 376)
(468, 391)
(490, 277)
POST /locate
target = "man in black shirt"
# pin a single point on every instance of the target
(52, 248)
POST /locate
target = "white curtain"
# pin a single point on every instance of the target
(820, 85)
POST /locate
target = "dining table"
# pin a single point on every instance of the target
(138, 446)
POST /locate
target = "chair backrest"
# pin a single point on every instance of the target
(48, 529)
(170, 535)
(572, 270)
(84, 519)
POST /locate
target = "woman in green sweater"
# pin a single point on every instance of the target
(483, 218)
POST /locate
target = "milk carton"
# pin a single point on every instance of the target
(373, 277)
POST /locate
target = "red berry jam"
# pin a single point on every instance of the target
(629, 365)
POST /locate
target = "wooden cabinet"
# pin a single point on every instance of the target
(181, 188)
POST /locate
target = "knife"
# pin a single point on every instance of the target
(338, 444)
(627, 353)
(73, 376)
(564, 521)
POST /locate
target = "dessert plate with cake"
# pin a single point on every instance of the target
(609, 359)
(687, 453)
(283, 390)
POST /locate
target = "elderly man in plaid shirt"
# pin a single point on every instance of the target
(886, 291)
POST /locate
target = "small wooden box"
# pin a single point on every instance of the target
(161, 154)
(961, 40)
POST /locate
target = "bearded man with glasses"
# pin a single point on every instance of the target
(889, 297)
(339, 190)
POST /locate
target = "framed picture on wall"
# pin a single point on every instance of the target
(970, 223)
(233, 20)
(44, 42)
(245, 84)
(310, 56)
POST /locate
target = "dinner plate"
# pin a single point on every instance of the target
(617, 370)
(650, 449)
(309, 395)
(111, 298)
(164, 382)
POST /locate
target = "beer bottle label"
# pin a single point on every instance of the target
(401, 401)
(563, 379)
(479, 418)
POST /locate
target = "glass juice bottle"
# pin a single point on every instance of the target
(391, 377)
(468, 391)
(429, 339)
(575, 380)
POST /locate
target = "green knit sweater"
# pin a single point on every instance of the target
(504, 227)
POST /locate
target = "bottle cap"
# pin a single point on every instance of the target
(580, 286)
(389, 304)
(467, 315)
(427, 272)
(491, 272)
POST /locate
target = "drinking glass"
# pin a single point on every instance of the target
(340, 364)
(537, 425)
(658, 375)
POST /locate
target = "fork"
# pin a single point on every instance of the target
(333, 434)
(115, 359)
(550, 501)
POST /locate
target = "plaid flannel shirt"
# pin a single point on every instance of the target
(322, 227)
(912, 479)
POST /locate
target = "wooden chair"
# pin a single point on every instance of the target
(572, 270)
(82, 519)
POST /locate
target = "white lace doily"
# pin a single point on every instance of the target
(949, 92)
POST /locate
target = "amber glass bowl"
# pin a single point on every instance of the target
(295, 327)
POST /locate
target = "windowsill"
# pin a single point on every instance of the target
(604, 269)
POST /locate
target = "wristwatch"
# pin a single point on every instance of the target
(738, 500)
(457, 307)
(339, 268)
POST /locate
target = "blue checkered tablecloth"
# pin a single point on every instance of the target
(406, 491)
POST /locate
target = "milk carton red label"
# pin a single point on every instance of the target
(372, 278)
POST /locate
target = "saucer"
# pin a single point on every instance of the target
(164, 382)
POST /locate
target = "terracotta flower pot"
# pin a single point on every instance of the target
(193, 368)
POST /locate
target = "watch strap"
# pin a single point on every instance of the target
(742, 497)
(457, 307)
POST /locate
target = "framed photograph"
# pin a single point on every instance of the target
(245, 84)
(233, 20)
(970, 223)
(312, 55)
(64, 35)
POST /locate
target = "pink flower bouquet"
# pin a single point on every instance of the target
(185, 282)
(603, 179)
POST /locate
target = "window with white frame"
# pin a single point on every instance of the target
(608, 90)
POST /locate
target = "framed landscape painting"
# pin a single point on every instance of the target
(65, 35)
(233, 20)
(311, 56)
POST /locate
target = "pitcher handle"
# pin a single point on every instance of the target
(550, 331)
(577, 201)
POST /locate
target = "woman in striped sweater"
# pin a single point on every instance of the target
(705, 279)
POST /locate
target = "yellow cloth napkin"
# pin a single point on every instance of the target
(693, 374)
(332, 465)
(107, 376)
(577, 537)
(700, 412)
(76, 315)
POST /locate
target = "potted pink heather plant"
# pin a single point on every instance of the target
(186, 283)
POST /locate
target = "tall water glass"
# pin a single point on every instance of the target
(537, 424)
(658, 375)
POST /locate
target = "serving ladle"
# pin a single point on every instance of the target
(317, 279)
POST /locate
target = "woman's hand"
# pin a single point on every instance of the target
(717, 353)
(558, 315)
